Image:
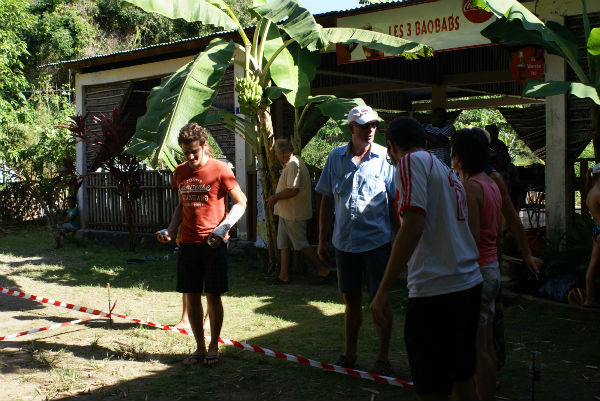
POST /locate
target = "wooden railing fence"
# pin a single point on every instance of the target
(153, 211)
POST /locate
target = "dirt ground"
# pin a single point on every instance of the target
(95, 361)
(46, 365)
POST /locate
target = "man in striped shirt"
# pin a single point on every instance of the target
(438, 135)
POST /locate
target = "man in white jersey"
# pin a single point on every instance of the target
(444, 281)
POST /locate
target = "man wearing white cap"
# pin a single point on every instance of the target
(357, 184)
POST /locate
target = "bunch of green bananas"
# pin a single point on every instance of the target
(249, 93)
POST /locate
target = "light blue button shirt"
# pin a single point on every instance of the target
(360, 196)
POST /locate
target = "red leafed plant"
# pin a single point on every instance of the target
(126, 170)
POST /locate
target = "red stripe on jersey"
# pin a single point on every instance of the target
(403, 180)
(409, 182)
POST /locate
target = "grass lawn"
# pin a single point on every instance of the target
(95, 361)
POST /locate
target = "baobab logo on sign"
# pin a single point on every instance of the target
(475, 14)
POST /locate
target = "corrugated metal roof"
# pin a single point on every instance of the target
(367, 6)
(167, 44)
(139, 49)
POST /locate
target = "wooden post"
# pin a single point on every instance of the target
(438, 96)
(557, 173)
(583, 173)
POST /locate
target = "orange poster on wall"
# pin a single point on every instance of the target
(527, 62)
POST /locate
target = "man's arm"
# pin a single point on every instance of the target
(237, 196)
(325, 223)
(285, 194)
(516, 227)
(237, 210)
(407, 239)
(176, 220)
(393, 215)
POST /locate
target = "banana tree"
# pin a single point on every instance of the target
(519, 25)
(279, 56)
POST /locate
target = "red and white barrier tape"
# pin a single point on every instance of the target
(50, 301)
(51, 327)
(321, 365)
(245, 346)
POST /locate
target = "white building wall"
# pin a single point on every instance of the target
(145, 71)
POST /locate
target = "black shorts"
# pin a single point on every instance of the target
(201, 268)
(354, 266)
(440, 334)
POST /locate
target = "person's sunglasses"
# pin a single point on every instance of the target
(371, 124)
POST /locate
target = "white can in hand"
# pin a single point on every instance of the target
(164, 231)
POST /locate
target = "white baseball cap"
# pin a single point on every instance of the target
(362, 115)
(596, 169)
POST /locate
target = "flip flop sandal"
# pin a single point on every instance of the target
(193, 359)
(344, 362)
(382, 368)
(211, 360)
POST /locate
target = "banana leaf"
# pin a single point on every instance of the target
(208, 12)
(243, 127)
(273, 93)
(377, 41)
(335, 108)
(182, 97)
(535, 88)
(299, 23)
(593, 44)
(293, 69)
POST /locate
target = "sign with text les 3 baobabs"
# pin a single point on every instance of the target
(441, 24)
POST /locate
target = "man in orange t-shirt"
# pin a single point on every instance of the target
(203, 184)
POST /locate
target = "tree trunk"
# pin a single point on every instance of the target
(269, 175)
(130, 221)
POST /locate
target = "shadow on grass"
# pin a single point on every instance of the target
(83, 265)
(8, 302)
(303, 331)
(568, 345)
(241, 375)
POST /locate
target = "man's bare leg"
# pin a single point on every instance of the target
(385, 334)
(284, 273)
(195, 315)
(352, 323)
(215, 312)
(485, 376)
(184, 323)
(309, 252)
(464, 391)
